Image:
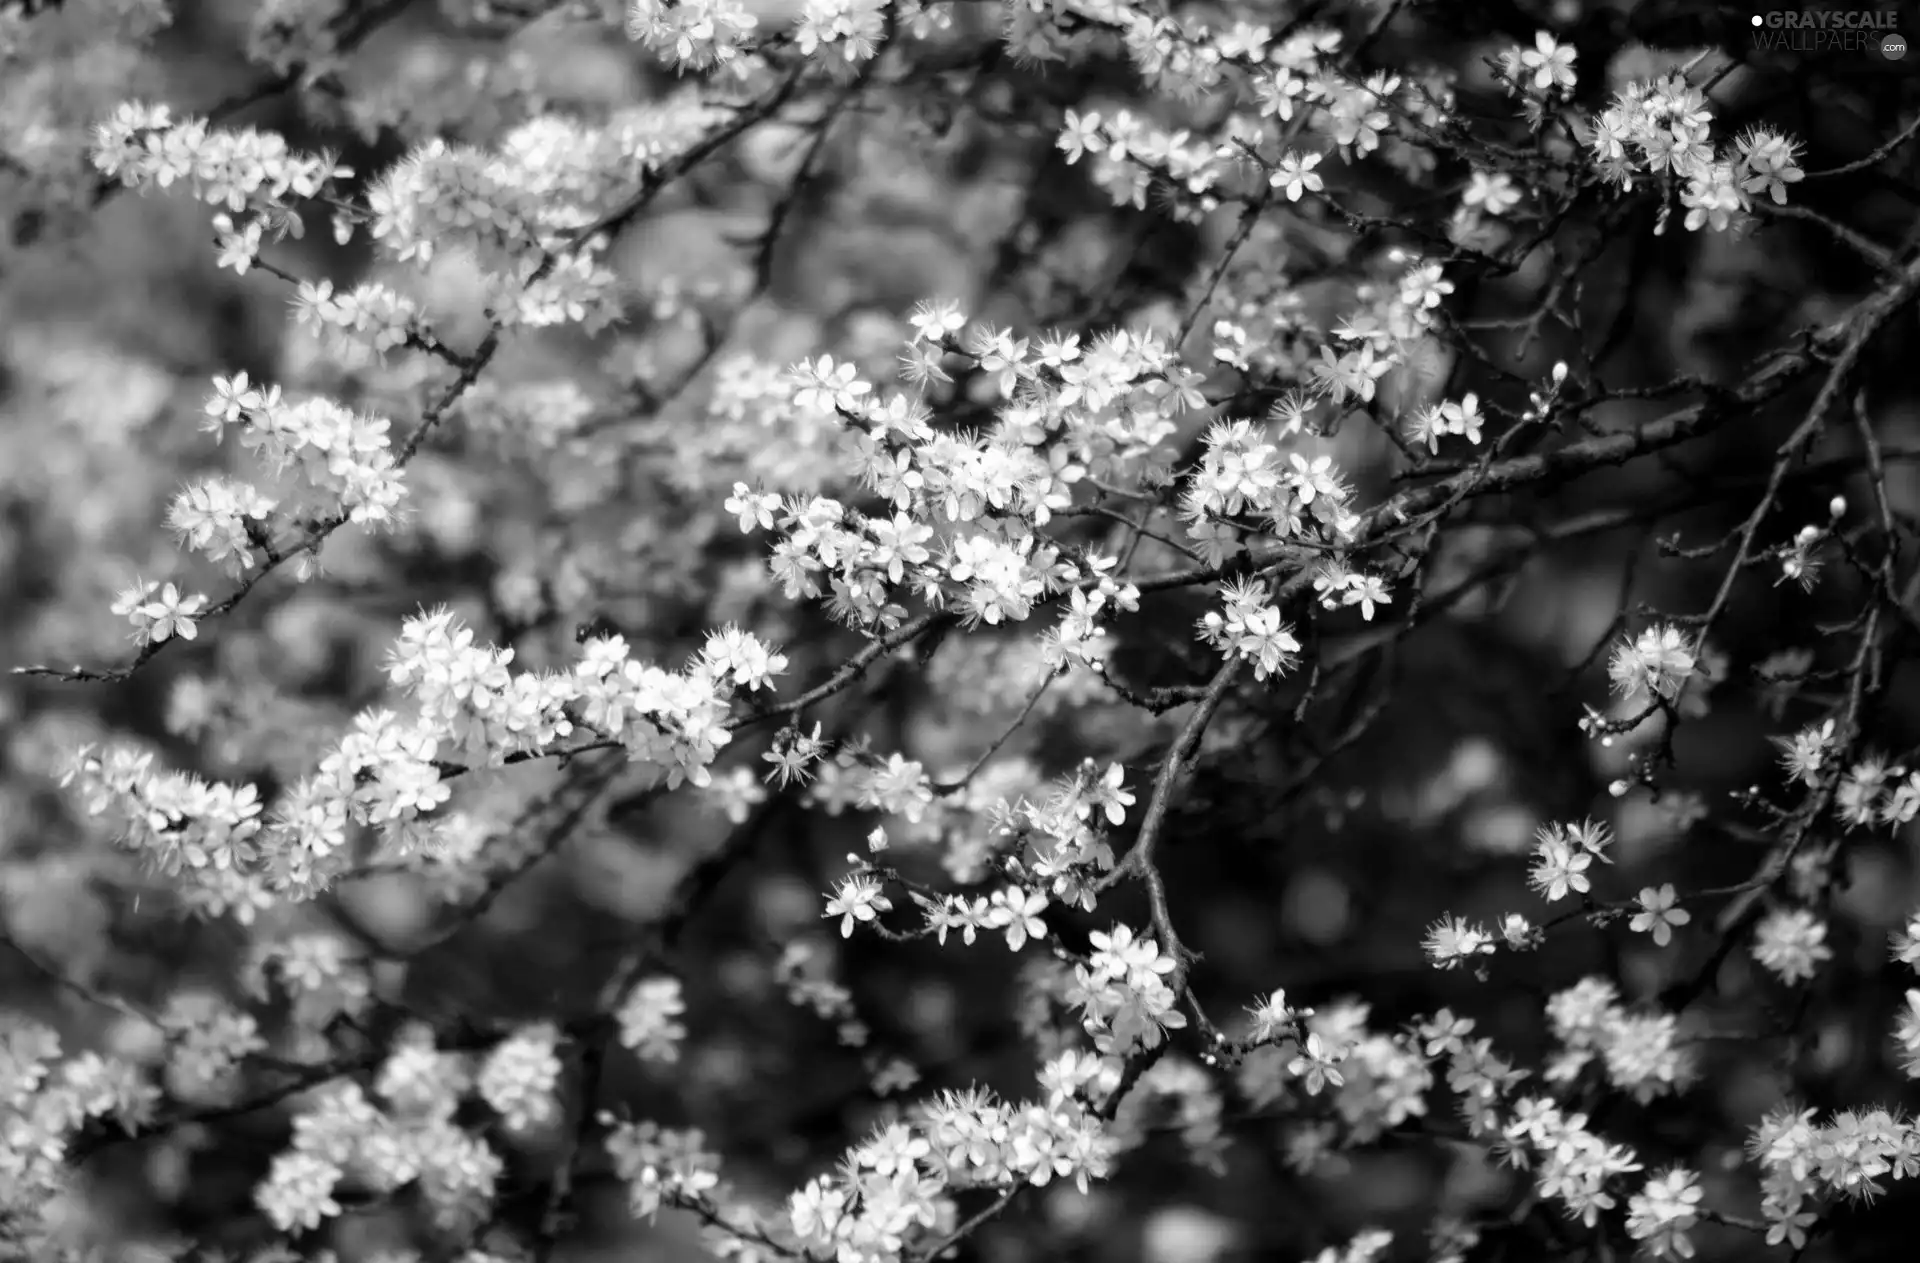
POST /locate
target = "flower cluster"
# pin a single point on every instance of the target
(248, 172)
(659, 1165)
(370, 318)
(159, 612)
(406, 1135)
(1562, 854)
(207, 1041)
(703, 35)
(1662, 1212)
(1791, 943)
(387, 771)
(1437, 421)
(1250, 628)
(1641, 1053)
(1122, 992)
(650, 1019)
(518, 1078)
(325, 459)
(842, 33)
(1664, 129)
(222, 520)
(45, 1098)
(1805, 1163)
(895, 1186)
(1575, 1164)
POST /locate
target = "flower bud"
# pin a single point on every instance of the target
(1838, 508)
(1559, 371)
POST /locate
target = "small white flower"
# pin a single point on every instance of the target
(1658, 916)
(857, 900)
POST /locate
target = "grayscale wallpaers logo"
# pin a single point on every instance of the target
(1830, 31)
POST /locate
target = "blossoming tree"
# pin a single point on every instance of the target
(891, 629)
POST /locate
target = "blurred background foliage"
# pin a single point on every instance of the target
(1295, 860)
